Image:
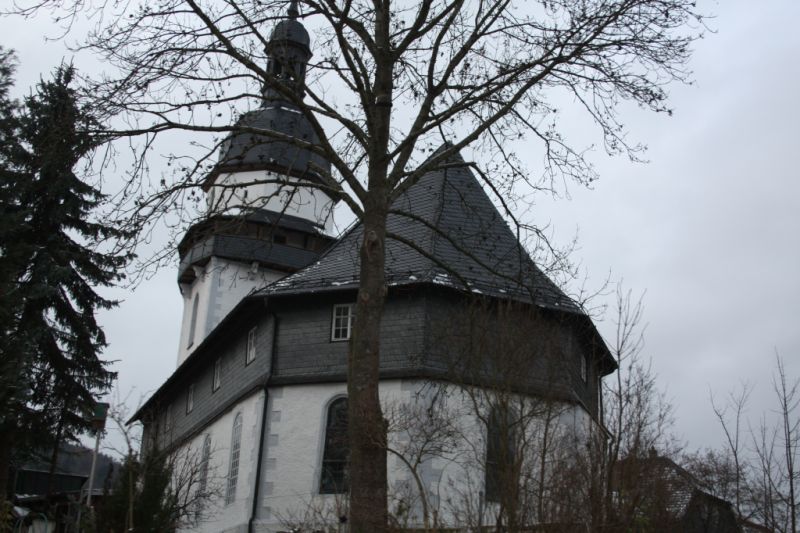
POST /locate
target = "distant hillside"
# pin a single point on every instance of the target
(73, 459)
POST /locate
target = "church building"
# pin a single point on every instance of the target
(259, 394)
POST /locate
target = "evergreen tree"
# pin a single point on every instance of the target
(13, 383)
(142, 497)
(51, 266)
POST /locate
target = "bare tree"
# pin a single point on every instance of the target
(723, 476)
(775, 447)
(636, 412)
(391, 79)
(420, 431)
(788, 396)
(737, 403)
(512, 374)
(161, 489)
(757, 469)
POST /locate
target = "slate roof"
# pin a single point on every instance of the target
(291, 31)
(465, 244)
(250, 151)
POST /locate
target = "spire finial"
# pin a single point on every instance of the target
(293, 12)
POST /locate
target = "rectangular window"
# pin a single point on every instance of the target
(584, 369)
(502, 475)
(190, 398)
(193, 323)
(251, 347)
(342, 323)
(217, 375)
(168, 421)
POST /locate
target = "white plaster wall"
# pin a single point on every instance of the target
(248, 189)
(292, 457)
(218, 516)
(220, 284)
(458, 495)
(200, 288)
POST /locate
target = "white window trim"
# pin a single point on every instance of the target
(216, 379)
(250, 355)
(350, 319)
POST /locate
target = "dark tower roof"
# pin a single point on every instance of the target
(291, 31)
(288, 52)
(249, 151)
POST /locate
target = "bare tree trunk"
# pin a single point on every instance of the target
(368, 429)
(368, 505)
(54, 457)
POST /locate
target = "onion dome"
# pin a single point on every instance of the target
(288, 53)
(245, 151)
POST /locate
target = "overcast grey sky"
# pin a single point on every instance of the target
(709, 227)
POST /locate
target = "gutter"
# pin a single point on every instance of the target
(262, 437)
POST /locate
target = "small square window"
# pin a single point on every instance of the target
(251, 347)
(217, 375)
(342, 323)
(190, 398)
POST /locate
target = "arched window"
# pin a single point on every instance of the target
(233, 469)
(500, 455)
(202, 483)
(205, 457)
(335, 456)
(193, 323)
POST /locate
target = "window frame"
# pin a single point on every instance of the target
(250, 348)
(234, 460)
(348, 328)
(216, 376)
(499, 455)
(584, 370)
(190, 398)
(328, 485)
(202, 482)
(193, 321)
(205, 459)
(168, 422)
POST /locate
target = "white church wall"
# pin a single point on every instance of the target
(219, 515)
(294, 449)
(454, 478)
(248, 189)
(458, 492)
(219, 286)
(200, 290)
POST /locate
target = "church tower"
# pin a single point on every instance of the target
(260, 224)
